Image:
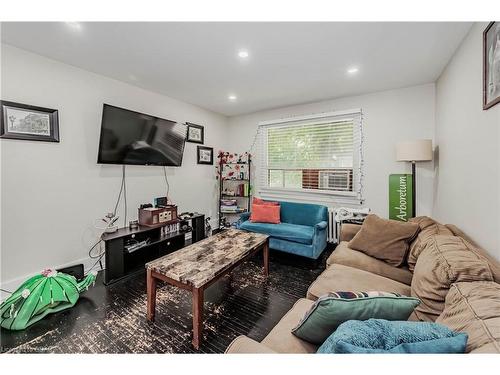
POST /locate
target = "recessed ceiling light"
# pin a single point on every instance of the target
(77, 26)
(243, 54)
(232, 98)
(352, 70)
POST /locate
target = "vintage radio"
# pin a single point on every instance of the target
(152, 216)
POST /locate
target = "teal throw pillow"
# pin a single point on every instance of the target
(333, 309)
(382, 336)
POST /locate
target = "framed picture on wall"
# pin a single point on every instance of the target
(195, 133)
(27, 122)
(491, 65)
(205, 155)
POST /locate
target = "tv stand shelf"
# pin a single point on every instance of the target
(120, 262)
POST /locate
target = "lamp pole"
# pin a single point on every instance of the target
(414, 190)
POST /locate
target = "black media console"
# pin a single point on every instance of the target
(122, 259)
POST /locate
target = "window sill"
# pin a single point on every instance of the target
(311, 196)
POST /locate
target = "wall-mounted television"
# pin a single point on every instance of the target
(134, 138)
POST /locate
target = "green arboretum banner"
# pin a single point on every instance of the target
(400, 193)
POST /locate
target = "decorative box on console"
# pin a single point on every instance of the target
(152, 216)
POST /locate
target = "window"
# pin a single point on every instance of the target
(315, 154)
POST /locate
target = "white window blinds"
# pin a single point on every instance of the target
(318, 153)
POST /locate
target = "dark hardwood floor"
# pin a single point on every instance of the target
(112, 319)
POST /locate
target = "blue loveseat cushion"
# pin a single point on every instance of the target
(285, 231)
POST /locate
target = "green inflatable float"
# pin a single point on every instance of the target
(43, 294)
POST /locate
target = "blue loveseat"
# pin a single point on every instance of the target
(302, 230)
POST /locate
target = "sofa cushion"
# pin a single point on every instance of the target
(387, 240)
(281, 339)
(303, 213)
(494, 263)
(474, 308)
(428, 228)
(284, 231)
(445, 260)
(245, 345)
(340, 277)
(343, 254)
(382, 336)
(333, 309)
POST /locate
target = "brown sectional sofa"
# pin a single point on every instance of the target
(471, 304)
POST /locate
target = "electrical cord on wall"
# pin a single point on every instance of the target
(121, 190)
(166, 181)
(100, 255)
(124, 196)
(92, 248)
(98, 261)
(255, 138)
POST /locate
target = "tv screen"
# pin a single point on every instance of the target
(129, 137)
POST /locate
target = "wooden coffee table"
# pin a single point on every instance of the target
(197, 266)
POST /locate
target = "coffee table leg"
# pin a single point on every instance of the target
(151, 291)
(197, 316)
(265, 252)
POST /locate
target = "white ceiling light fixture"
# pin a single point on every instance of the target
(243, 54)
(232, 98)
(352, 70)
(76, 26)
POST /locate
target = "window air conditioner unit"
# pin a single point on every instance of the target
(339, 180)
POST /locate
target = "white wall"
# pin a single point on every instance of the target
(52, 192)
(388, 117)
(468, 166)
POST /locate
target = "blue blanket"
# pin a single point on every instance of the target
(382, 336)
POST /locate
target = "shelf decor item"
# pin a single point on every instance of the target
(27, 122)
(233, 173)
(195, 133)
(205, 155)
(491, 65)
(43, 294)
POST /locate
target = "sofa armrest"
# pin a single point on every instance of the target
(244, 216)
(245, 345)
(348, 231)
(321, 225)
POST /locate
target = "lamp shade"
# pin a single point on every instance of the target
(419, 150)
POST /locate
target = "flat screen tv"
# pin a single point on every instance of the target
(129, 137)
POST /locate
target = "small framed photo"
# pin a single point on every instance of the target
(205, 155)
(491, 65)
(27, 122)
(195, 133)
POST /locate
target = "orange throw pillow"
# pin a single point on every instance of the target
(263, 202)
(265, 213)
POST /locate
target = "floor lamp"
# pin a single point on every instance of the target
(414, 151)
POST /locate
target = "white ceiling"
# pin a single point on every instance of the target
(289, 63)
